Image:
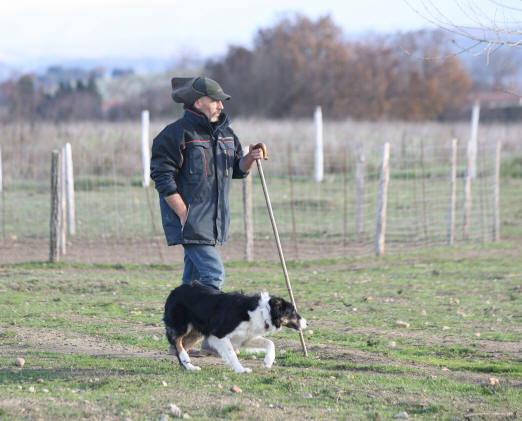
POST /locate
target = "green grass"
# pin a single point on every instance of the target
(91, 336)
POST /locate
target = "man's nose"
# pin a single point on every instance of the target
(220, 105)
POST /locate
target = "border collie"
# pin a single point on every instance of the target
(227, 320)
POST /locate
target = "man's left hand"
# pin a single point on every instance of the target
(255, 152)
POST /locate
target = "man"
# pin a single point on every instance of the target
(193, 161)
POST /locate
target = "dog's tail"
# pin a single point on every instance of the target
(170, 332)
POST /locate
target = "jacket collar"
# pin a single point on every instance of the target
(197, 117)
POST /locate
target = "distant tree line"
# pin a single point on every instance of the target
(298, 64)
(293, 66)
(26, 101)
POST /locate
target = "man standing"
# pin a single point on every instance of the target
(193, 162)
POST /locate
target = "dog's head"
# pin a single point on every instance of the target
(283, 314)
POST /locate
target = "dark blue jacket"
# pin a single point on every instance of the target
(196, 159)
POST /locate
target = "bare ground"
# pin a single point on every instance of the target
(44, 339)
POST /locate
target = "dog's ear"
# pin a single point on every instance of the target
(276, 310)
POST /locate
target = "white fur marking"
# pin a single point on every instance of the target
(262, 344)
(224, 347)
(185, 360)
(302, 323)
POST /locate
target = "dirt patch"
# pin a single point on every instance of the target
(155, 250)
(52, 340)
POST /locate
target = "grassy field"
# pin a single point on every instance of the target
(94, 347)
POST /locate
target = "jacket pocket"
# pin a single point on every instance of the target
(227, 150)
(197, 160)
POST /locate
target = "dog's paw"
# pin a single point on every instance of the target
(189, 366)
(243, 370)
(268, 362)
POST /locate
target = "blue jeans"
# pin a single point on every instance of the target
(203, 264)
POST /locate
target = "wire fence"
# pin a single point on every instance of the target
(118, 220)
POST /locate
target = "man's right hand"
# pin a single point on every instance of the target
(175, 201)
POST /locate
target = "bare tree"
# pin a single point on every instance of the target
(492, 23)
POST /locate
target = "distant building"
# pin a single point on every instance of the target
(117, 72)
(497, 105)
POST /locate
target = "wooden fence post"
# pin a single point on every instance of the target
(496, 193)
(3, 198)
(424, 196)
(145, 147)
(1, 174)
(359, 175)
(54, 249)
(452, 195)
(383, 200)
(345, 200)
(69, 190)
(248, 218)
(467, 192)
(318, 149)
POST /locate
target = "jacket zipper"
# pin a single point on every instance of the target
(205, 161)
(226, 162)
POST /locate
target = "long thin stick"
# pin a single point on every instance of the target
(279, 248)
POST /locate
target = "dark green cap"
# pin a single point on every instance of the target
(188, 90)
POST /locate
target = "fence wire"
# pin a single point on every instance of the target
(117, 220)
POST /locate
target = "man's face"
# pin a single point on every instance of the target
(210, 107)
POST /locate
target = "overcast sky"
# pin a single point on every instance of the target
(32, 30)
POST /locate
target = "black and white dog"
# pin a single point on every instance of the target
(227, 320)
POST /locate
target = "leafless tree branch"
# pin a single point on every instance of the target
(491, 28)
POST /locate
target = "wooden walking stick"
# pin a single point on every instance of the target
(276, 235)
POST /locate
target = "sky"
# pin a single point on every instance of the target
(63, 29)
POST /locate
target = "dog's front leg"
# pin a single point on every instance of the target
(224, 347)
(254, 344)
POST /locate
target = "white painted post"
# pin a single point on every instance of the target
(318, 149)
(475, 117)
(496, 193)
(383, 200)
(63, 207)
(467, 192)
(359, 176)
(453, 183)
(69, 190)
(145, 148)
